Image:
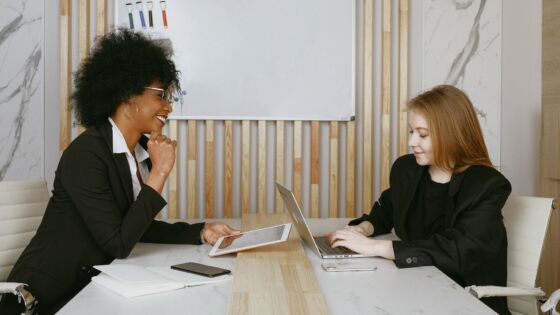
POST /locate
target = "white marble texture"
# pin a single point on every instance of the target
(462, 47)
(21, 89)
(388, 290)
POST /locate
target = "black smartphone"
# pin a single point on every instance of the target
(200, 269)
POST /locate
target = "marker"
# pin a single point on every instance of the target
(140, 8)
(130, 19)
(150, 5)
(162, 4)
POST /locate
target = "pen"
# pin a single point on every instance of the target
(163, 12)
(140, 8)
(150, 5)
(130, 19)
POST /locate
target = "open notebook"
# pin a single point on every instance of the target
(133, 280)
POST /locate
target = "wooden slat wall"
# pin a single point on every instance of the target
(83, 34)
(298, 148)
(549, 274)
(261, 182)
(245, 165)
(173, 180)
(228, 169)
(191, 171)
(65, 73)
(403, 77)
(209, 183)
(333, 171)
(386, 95)
(314, 169)
(350, 170)
(182, 165)
(368, 105)
(101, 17)
(279, 163)
(304, 150)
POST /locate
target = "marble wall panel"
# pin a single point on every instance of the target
(21, 90)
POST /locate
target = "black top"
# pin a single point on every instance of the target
(471, 244)
(430, 208)
(91, 219)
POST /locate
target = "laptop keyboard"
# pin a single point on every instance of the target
(325, 247)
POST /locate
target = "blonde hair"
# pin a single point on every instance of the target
(457, 139)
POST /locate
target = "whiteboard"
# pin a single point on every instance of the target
(258, 59)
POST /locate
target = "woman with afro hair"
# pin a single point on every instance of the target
(108, 184)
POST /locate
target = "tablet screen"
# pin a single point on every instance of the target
(251, 239)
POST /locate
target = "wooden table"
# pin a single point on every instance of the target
(279, 276)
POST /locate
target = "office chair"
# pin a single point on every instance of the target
(22, 205)
(526, 220)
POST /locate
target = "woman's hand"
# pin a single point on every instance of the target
(162, 152)
(162, 155)
(229, 240)
(213, 231)
(359, 243)
(365, 228)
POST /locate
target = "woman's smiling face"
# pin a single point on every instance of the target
(152, 108)
(419, 138)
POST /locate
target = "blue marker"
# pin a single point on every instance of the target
(130, 19)
(140, 8)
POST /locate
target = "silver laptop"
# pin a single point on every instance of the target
(319, 244)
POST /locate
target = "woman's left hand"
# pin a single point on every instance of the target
(361, 244)
(213, 231)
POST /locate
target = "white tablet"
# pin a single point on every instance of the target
(251, 239)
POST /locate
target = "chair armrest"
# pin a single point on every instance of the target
(10, 287)
(19, 290)
(550, 304)
(490, 290)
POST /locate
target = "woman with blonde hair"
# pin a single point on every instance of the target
(444, 201)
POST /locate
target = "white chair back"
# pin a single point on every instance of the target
(22, 205)
(526, 220)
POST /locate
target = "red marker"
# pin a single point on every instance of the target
(163, 12)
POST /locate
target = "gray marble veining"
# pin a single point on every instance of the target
(462, 4)
(21, 90)
(26, 90)
(458, 66)
(10, 28)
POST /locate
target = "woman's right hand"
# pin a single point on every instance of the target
(162, 154)
(362, 245)
(365, 228)
(355, 237)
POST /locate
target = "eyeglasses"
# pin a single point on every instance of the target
(165, 95)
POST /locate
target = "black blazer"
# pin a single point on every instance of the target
(472, 248)
(92, 219)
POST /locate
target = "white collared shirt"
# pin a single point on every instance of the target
(119, 146)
